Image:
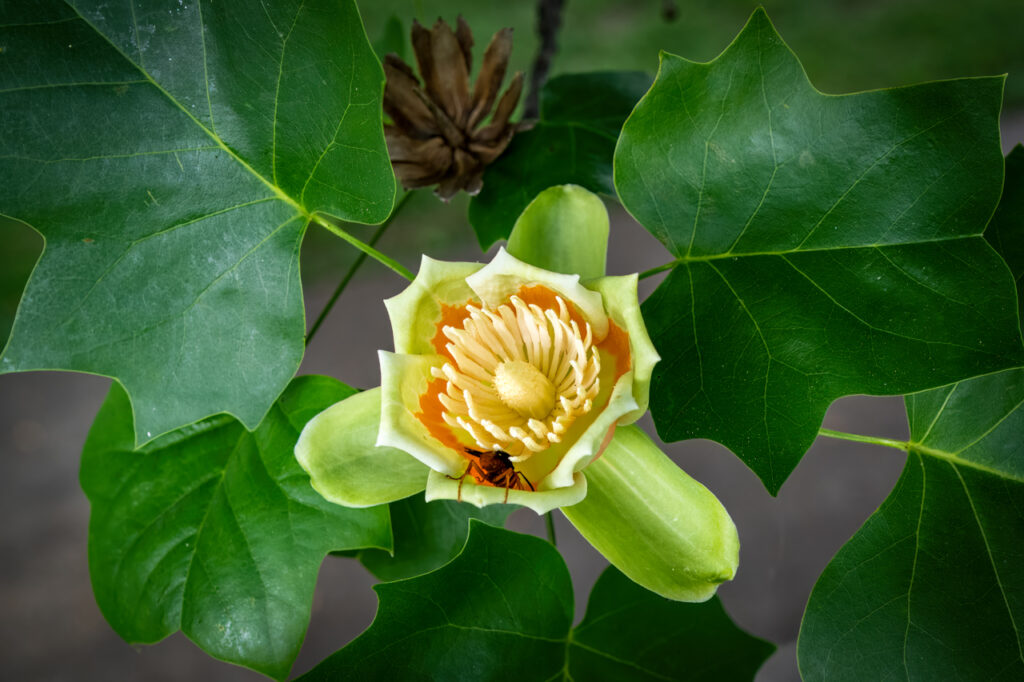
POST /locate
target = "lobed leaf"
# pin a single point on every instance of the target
(632, 634)
(174, 200)
(215, 530)
(427, 535)
(572, 143)
(502, 610)
(932, 586)
(824, 245)
(1006, 230)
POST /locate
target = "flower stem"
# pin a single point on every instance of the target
(888, 442)
(330, 225)
(353, 269)
(551, 528)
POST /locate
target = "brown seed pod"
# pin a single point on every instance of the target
(438, 134)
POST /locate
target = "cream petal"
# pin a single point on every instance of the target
(404, 378)
(502, 278)
(441, 487)
(623, 306)
(416, 311)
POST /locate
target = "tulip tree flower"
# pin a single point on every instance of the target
(514, 382)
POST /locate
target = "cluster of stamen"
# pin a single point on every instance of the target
(521, 376)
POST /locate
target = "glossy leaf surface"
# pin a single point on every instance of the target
(632, 634)
(428, 535)
(215, 530)
(572, 143)
(1006, 230)
(174, 200)
(499, 611)
(932, 586)
(502, 610)
(825, 245)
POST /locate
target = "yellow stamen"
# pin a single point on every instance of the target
(521, 376)
(522, 387)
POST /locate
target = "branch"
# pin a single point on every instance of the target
(549, 21)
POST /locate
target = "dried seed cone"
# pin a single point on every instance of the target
(438, 136)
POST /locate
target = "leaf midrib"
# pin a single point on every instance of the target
(992, 561)
(278, 192)
(683, 260)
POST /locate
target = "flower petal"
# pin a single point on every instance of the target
(654, 523)
(441, 487)
(505, 275)
(336, 448)
(588, 445)
(564, 229)
(623, 306)
(404, 380)
(417, 311)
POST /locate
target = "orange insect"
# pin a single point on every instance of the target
(493, 467)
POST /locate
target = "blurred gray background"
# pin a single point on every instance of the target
(50, 627)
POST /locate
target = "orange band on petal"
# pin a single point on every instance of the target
(546, 299)
(431, 416)
(617, 344)
(451, 316)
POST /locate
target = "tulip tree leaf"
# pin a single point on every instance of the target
(502, 610)
(630, 633)
(427, 535)
(391, 38)
(824, 245)
(174, 199)
(932, 586)
(572, 143)
(215, 530)
(1006, 230)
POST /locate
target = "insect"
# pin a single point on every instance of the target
(494, 467)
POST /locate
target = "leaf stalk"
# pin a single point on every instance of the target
(353, 269)
(391, 263)
(856, 437)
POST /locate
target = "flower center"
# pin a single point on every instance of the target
(522, 387)
(521, 376)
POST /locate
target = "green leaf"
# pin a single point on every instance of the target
(573, 143)
(502, 609)
(498, 611)
(215, 530)
(428, 535)
(654, 523)
(932, 586)
(174, 200)
(825, 245)
(391, 38)
(564, 229)
(632, 634)
(1006, 230)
